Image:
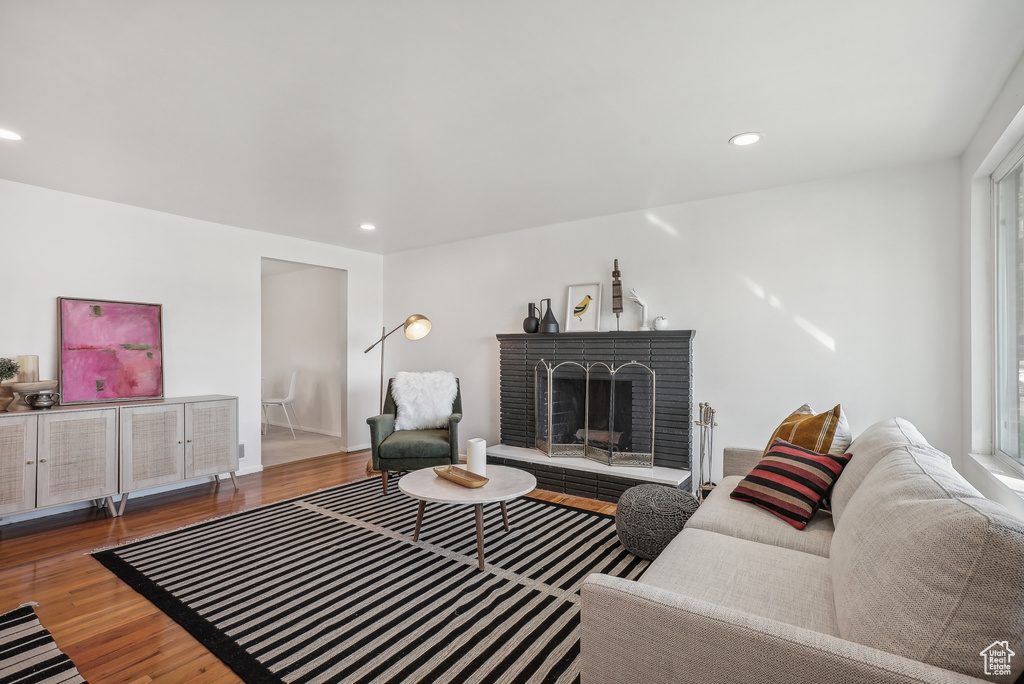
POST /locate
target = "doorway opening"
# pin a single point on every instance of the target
(304, 332)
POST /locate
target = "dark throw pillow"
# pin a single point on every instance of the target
(791, 481)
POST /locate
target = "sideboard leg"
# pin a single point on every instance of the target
(233, 480)
(124, 502)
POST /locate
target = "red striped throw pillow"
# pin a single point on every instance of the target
(790, 481)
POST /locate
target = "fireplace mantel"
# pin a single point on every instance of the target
(668, 353)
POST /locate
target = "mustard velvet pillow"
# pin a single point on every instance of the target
(824, 433)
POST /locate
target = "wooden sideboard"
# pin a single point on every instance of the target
(93, 452)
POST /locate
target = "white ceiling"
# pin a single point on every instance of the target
(440, 120)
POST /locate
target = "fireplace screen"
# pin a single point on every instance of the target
(598, 411)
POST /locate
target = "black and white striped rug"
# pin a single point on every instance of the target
(330, 587)
(28, 654)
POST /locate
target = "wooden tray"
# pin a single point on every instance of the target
(460, 476)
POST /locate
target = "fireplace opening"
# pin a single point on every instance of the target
(583, 412)
(609, 417)
(599, 411)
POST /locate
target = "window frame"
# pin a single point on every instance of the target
(1009, 163)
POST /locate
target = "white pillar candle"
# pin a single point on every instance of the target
(28, 368)
(476, 457)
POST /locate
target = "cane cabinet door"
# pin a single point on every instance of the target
(211, 437)
(17, 463)
(77, 456)
(152, 445)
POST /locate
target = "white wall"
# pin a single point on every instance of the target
(206, 276)
(304, 330)
(836, 291)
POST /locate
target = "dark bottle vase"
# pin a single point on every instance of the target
(531, 323)
(548, 324)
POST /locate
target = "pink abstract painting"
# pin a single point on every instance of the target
(109, 351)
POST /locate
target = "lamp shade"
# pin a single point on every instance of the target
(417, 327)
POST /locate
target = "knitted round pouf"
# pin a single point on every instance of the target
(649, 516)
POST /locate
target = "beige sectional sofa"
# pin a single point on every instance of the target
(910, 578)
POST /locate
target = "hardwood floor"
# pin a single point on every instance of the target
(110, 632)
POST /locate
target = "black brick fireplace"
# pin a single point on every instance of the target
(667, 353)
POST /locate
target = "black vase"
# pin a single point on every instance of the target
(548, 324)
(531, 323)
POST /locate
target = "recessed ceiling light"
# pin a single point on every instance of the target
(745, 138)
(9, 135)
(367, 226)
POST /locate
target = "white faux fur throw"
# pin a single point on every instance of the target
(424, 400)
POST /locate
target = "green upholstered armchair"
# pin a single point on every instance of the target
(399, 450)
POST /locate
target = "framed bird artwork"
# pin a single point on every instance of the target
(583, 311)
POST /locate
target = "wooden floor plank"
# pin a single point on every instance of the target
(109, 631)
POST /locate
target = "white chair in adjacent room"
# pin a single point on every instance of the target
(284, 404)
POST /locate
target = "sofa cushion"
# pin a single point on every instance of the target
(867, 450)
(827, 432)
(925, 567)
(772, 582)
(790, 481)
(722, 514)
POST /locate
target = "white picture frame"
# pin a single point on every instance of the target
(589, 319)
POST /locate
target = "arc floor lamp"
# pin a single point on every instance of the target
(416, 328)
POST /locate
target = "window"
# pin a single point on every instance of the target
(1008, 193)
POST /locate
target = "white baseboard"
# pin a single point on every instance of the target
(356, 447)
(307, 429)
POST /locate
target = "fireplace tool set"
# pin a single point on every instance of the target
(706, 422)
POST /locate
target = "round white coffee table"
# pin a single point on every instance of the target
(505, 483)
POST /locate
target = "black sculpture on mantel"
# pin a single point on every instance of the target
(616, 294)
(548, 324)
